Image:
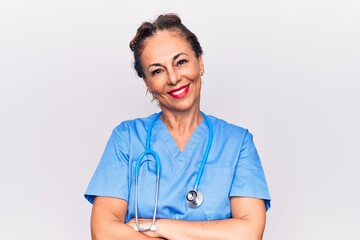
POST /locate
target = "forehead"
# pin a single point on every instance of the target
(164, 45)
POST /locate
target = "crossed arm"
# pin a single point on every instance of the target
(247, 223)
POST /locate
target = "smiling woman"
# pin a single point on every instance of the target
(182, 145)
(172, 72)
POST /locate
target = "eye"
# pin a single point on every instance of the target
(156, 72)
(181, 62)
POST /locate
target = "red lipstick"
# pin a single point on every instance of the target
(179, 92)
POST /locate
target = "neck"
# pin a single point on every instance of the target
(182, 121)
(181, 125)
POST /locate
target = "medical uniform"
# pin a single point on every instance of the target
(233, 168)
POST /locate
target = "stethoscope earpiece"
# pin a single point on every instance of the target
(194, 199)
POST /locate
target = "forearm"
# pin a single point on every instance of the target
(115, 230)
(108, 221)
(247, 223)
(219, 229)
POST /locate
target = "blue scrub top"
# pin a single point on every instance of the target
(233, 168)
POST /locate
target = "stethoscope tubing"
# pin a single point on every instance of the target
(145, 153)
(148, 151)
(152, 226)
(206, 154)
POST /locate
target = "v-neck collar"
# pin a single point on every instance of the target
(181, 158)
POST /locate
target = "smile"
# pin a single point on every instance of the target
(179, 92)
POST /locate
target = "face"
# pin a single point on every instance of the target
(172, 72)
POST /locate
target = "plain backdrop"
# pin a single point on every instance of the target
(288, 71)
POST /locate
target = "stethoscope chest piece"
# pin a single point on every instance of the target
(194, 199)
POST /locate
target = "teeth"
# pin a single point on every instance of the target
(179, 92)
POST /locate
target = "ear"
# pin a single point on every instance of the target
(146, 83)
(201, 64)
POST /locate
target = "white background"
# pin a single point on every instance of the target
(286, 70)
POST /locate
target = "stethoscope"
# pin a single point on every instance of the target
(194, 198)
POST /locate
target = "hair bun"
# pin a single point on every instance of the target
(168, 20)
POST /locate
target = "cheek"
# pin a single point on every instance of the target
(157, 85)
(192, 74)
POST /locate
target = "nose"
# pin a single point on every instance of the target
(173, 76)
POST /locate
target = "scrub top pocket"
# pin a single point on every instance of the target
(216, 189)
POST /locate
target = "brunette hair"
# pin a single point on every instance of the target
(168, 22)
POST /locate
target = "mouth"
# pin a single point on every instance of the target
(179, 92)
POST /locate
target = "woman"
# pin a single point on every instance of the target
(235, 196)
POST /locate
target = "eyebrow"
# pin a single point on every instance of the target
(174, 59)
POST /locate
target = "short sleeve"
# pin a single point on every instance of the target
(249, 179)
(111, 175)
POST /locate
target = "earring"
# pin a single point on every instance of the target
(151, 92)
(202, 73)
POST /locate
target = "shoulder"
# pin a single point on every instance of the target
(229, 133)
(133, 125)
(223, 127)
